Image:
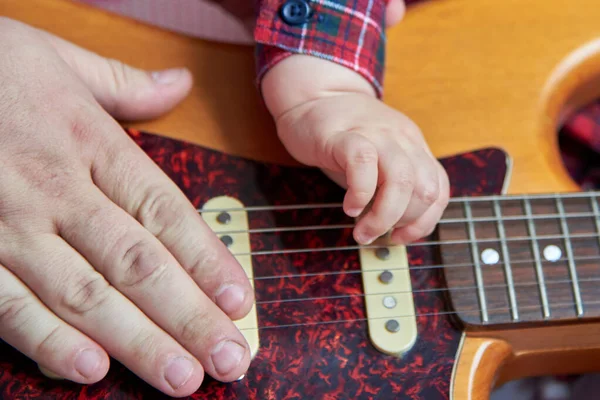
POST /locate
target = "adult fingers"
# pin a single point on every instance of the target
(28, 325)
(138, 265)
(123, 91)
(81, 297)
(133, 182)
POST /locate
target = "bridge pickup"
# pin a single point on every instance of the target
(390, 309)
(231, 226)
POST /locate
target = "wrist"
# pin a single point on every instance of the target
(300, 79)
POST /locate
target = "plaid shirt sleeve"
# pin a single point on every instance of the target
(347, 32)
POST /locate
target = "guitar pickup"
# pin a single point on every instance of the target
(231, 226)
(389, 303)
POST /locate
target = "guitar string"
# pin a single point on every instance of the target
(417, 268)
(535, 238)
(419, 315)
(505, 198)
(431, 290)
(442, 221)
(488, 198)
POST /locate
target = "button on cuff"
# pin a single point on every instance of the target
(295, 12)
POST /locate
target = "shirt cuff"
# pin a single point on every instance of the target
(346, 32)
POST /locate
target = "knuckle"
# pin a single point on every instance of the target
(12, 310)
(86, 294)
(195, 328)
(205, 266)
(48, 345)
(401, 172)
(428, 191)
(142, 265)
(404, 176)
(81, 124)
(364, 153)
(158, 211)
(120, 74)
(144, 345)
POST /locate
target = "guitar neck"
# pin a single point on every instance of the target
(516, 259)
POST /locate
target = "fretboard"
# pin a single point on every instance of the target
(514, 259)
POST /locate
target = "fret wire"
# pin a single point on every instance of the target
(572, 270)
(476, 263)
(507, 265)
(536, 255)
(596, 215)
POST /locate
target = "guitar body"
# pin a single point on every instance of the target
(488, 81)
(331, 361)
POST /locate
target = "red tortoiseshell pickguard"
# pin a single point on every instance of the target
(328, 361)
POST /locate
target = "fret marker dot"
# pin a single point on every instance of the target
(552, 253)
(490, 256)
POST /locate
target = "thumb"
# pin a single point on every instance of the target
(124, 92)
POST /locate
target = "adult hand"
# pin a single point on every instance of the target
(100, 253)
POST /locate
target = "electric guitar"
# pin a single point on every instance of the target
(507, 287)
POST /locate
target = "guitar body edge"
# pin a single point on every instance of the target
(478, 362)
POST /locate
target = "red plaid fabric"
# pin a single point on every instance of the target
(348, 32)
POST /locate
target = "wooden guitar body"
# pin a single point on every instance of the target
(488, 82)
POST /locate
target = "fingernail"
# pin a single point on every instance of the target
(87, 362)
(230, 298)
(166, 77)
(227, 356)
(363, 239)
(354, 212)
(178, 372)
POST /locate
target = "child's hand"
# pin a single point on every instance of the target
(328, 116)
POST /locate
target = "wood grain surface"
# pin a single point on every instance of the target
(471, 73)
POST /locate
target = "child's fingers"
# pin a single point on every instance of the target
(426, 189)
(426, 224)
(394, 12)
(358, 158)
(397, 177)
